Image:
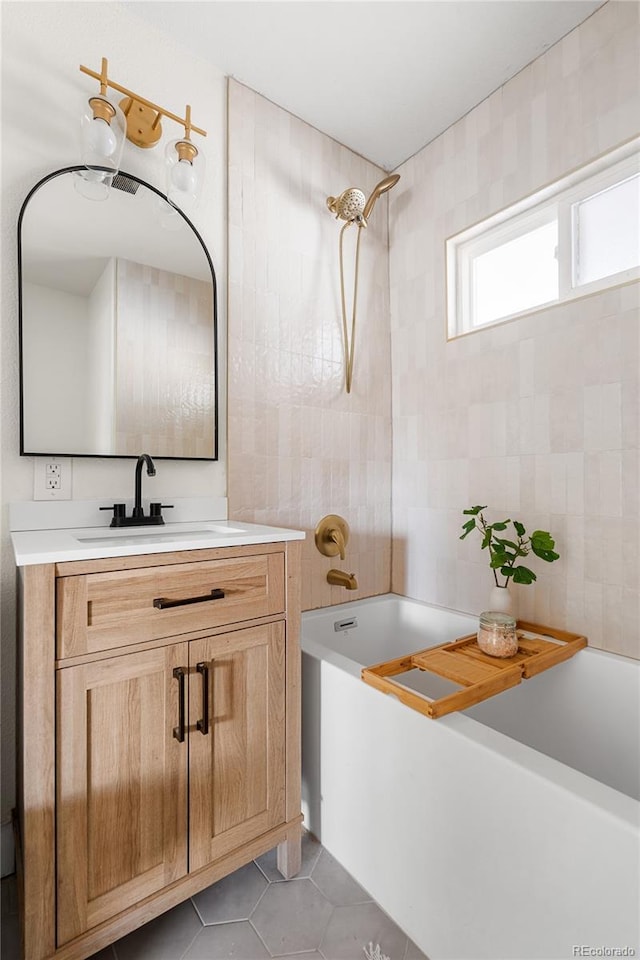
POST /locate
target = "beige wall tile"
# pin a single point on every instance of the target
(299, 446)
(550, 400)
(537, 417)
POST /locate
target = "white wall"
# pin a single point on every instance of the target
(43, 45)
(537, 417)
(55, 361)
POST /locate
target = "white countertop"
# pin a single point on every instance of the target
(97, 543)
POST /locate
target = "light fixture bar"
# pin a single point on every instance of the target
(106, 82)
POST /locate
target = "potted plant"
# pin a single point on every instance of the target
(505, 552)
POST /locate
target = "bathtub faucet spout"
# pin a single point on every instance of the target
(341, 579)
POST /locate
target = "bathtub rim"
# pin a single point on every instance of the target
(558, 775)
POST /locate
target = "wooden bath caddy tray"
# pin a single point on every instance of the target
(479, 675)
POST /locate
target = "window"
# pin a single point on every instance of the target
(515, 276)
(574, 237)
(607, 232)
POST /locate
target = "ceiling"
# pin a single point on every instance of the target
(383, 78)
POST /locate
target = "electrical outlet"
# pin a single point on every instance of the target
(53, 475)
(51, 479)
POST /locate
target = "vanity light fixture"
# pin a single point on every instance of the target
(104, 126)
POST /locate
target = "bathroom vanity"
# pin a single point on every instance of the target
(159, 722)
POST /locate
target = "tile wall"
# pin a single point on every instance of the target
(174, 397)
(537, 417)
(299, 446)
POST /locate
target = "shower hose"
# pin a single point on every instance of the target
(349, 345)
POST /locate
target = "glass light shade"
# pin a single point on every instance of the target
(102, 134)
(93, 184)
(185, 175)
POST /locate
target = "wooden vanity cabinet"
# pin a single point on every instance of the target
(237, 763)
(160, 741)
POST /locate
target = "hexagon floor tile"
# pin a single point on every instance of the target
(291, 917)
(233, 898)
(225, 940)
(338, 886)
(255, 914)
(168, 937)
(353, 928)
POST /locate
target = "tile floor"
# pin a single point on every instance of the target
(322, 914)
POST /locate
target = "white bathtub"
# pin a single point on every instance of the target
(506, 832)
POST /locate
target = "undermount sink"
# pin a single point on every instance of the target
(132, 535)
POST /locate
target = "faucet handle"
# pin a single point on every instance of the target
(332, 536)
(119, 513)
(336, 537)
(155, 509)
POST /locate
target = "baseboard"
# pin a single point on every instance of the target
(7, 850)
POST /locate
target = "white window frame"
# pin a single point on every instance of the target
(555, 201)
(619, 173)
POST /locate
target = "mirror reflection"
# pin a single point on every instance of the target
(118, 325)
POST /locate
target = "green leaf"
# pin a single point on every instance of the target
(486, 540)
(523, 575)
(504, 551)
(498, 550)
(548, 555)
(542, 540)
(500, 526)
(506, 571)
(473, 511)
(542, 544)
(507, 543)
(467, 527)
(519, 528)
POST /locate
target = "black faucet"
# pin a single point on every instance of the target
(138, 517)
(151, 472)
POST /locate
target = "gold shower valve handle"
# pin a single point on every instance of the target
(332, 536)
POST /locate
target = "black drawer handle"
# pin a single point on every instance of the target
(162, 603)
(203, 725)
(178, 732)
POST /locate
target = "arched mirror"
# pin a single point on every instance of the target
(118, 345)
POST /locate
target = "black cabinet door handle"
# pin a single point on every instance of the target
(203, 725)
(178, 732)
(162, 603)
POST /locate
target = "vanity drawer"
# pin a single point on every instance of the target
(101, 611)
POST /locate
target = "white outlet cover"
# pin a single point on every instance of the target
(46, 468)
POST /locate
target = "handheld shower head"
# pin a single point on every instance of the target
(352, 207)
(379, 188)
(349, 205)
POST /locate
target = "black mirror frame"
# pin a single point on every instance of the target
(115, 456)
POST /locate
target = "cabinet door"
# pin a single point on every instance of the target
(122, 784)
(237, 767)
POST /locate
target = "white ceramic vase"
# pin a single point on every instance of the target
(501, 601)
